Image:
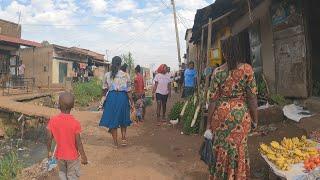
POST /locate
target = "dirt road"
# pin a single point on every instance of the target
(153, 153)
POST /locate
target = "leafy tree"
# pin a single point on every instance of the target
(128, 59)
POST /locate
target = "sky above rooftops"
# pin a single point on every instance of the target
(144, 27)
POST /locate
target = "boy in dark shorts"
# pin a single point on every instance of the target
(65, 130)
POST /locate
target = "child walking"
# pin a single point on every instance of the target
(139, 105)
(65, 130)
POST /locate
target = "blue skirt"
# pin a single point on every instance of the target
(116, 111)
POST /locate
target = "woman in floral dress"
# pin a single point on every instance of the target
(233, 111)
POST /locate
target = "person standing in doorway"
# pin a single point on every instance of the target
(21, 71)
(190, 75)
(116, 108)
(161, 90)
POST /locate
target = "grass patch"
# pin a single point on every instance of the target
(278, 99)
(10, 166)
(88, 92)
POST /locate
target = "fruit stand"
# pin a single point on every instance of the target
(293, 158)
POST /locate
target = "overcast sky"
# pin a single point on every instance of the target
(144, 27)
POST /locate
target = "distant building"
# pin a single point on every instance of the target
(10, 42)
(54, 65)
(191, 50)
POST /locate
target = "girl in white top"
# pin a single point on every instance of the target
(162, 90)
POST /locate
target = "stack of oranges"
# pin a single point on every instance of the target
(311, 163)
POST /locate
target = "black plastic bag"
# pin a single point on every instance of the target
(206, 152)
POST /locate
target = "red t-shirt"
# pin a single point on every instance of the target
(64, 128)
(139, 84)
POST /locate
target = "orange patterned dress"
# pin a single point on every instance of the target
(231, 122)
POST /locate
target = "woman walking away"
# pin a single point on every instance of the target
(139, 94)
(116, 113)
(161, 89)
(233, 111)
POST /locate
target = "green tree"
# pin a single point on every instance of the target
(128, 59)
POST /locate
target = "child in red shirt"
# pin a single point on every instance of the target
(65, 130)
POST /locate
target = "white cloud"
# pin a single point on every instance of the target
(98, 6)
(124, 5)
(191, 4)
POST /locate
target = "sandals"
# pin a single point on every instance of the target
(124, 142)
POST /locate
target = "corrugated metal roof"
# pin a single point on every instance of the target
(19, 41)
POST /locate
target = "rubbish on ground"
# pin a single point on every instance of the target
(52, 163)
(263, 130)
(295, 113)
(266, 106)
(21, 149)
(21, 116)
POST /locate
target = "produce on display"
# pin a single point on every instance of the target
(289, 151)
(184, 108)
(312, 163)
(195, 117)
(188, 117)
(175, 111)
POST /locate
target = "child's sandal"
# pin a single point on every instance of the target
(124, 142)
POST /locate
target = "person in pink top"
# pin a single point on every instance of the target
(162, 90)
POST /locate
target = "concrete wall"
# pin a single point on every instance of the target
(191, 48)
(99, 72)
(267, 51)
(38, 64)
(55, 70)
(262, 15)
(10, 29)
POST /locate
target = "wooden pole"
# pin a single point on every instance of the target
(208, 54)
(177, 31)
(200, 63)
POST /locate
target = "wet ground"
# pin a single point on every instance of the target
(31, 149)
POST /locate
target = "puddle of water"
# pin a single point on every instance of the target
(31, 150)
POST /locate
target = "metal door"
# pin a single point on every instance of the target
(62, 72)
(290, 48)
(290, 54)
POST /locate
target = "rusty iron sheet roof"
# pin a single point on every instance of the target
(19, 41)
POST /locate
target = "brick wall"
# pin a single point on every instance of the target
(10, 29)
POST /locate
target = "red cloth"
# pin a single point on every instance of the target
(139, 84)
(162, 69)
(64, 128)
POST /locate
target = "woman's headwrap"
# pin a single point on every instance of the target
(162, 69)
